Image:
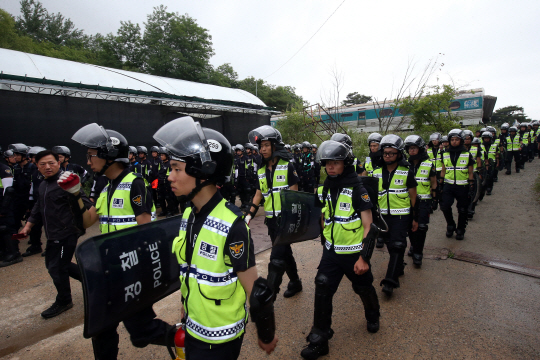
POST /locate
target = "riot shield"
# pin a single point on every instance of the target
(477, 187)
(126, 271)
(300, 217)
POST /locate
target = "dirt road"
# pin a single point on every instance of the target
(449, 309)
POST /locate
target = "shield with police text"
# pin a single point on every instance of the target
(300, 217)
(126, 271)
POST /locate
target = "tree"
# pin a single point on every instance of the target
(223, 75)
(175, 46)
(431, 111)
(293, 129)
(282, 98)
(509, 114)
(356, 98)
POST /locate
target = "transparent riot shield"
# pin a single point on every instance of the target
(300, 217)
(126, 271)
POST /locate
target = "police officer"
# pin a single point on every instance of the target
(532, 140)
(37, 178)
(213, 239)
(346, 221)
(64, 154)
(145, 165)
(494, 170)
(9, 156)
(536, 131)
(458, 177)
(241, 175)
(276, 174)
(22, 181)
(317, 165)
(397, 201)
(169, 203)
(9, 248)
(513, 150)
(347, 141)
(307, 169)
(155, 160)
(524, 140)
(480, 168)
(426, 177)
(125, 202)
(445, 144)
(493, 157)
(134, 165)
(251, 171)
(374, 160)
(435, 156)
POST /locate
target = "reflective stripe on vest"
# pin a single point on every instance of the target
(121, 215)
(459, 174)
(422, 178)
(513, 145)
(435, 158)
(492, 151)
(396, 200)
(368, 165)
(213, 297)
(342, 225)
(272, 199)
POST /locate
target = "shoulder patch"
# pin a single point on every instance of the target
(365, 197)
(236, 249)
(8, 172)
(137, 200)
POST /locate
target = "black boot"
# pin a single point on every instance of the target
(462, 224)
(410, 252)
(395, 268)
(371, 306)
(33, 249)
(488, 191)
(276, 269)
(321, 331)
(450, 223)
(460, 234)
(418, 249)
(450, 230)
(293, 288)
(13, 256)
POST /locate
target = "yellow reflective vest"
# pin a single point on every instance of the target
(395, 200)
(458, 174)
(272, 199)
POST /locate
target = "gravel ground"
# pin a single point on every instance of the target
(447, 310)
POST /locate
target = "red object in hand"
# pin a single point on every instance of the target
(71, 181)
(17, 236)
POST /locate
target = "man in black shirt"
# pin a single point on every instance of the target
(9, 248)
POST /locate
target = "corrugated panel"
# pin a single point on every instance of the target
(36, 66)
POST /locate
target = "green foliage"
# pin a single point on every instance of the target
(356, 98)
(283, 98)
(509, 114)
(432, 112)
(293, 129)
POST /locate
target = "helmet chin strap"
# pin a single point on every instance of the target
(104, 168)
(198, 187)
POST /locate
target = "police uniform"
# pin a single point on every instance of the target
(35, 232)
(9, 248)
(476, 153)
(513, 152)
(213, 245)
(22, 182)
(395, 205)
(118, 205)
(492, 151)
(524, 137)
(168, 201)
(271, 182)
(307, 174)
(241, 165)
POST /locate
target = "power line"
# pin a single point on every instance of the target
(306, 41)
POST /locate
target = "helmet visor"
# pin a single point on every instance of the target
(262, 133)
(183, 137)
(332, 150)
(91, 135)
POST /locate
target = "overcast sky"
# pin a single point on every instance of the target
(483, 44)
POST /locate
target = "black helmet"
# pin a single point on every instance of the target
(110, 144)
(476, 141)
(482, 130)
(392, 141)
(18, 148)
(133, 150)
(435, 136)
(287, 146)
(490, 129)
(523, 125)
(206, 152)
(263, 133)
(374, 137)
(8, 153)
(62, 150)
(314, 146)
(248, 146)
(306, 144)
(444, 139)
(33, 150)
(342, 138)
(469, 133)
(240, 147)
(487, 134)
(512, 128)
(142, 149)
(535, 123)
(334, 150)
(154, 148)
(255, 147)
(456, 133)
(505, 126)
(162, 150)
(415, 140)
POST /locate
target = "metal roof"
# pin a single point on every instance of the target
(21, 71)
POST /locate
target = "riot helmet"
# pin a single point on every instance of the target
(62, 150)
(469, 133)
(512, 129)
(415, 140)
(456, 133)
(288, 147)
(18, 148)
(342, 138)
(392, 141)
(110, 144)
(142, 149)
(306, 144)
(133, 150)
(334, 150)
(314, 146)
(240, 147)
(444, 139)
(206, 152)
(264, 133)
(154, 149)
(33, 150)
(505, 126)
(374, 137)
(476, 141)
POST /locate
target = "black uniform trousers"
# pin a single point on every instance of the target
(281, 252)
(461, 194)
(512, 155)
(396, 242)
(142, 327)
(418, 237)
(243, 188)
(58, 262)
(199, 350)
